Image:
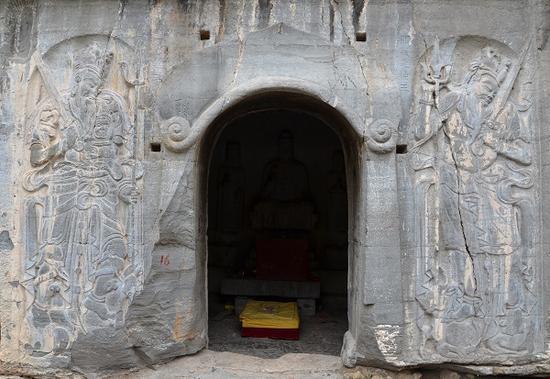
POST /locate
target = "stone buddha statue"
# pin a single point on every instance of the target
(285, 195)
(285, 178)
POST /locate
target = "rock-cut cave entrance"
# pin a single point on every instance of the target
(279, 188)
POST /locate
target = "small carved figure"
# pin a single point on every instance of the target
(231, 198)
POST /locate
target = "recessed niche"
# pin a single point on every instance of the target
(155, 147)
(204, 35)
(361, 36)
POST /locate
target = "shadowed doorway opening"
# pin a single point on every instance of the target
(278, 225)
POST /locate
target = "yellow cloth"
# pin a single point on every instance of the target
(270, 314)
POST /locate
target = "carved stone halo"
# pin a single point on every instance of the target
(174, 133)
(381, 135)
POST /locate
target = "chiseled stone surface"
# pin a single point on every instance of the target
(214, 365)
(109, 110)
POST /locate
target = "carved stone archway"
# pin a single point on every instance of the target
(191, 116)
(282, 99)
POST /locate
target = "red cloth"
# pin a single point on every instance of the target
(282, 259)
(277, 334)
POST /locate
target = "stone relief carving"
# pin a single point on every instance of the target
(231, 207)
(83, 263)
(174, 133)
(472, 158)
(382, 136)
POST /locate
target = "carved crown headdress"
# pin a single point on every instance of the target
(92, 60)
(491, 63)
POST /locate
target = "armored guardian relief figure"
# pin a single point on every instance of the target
(79, 272)
(476, 290)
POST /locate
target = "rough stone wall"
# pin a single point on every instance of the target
(105, 106)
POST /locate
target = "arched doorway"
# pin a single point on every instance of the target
(277, 184)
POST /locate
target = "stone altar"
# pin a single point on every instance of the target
(109, 111)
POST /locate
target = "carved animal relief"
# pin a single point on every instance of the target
(473, 177)
(83, 263)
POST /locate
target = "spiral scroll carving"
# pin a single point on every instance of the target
(175, 132)
(381, 136)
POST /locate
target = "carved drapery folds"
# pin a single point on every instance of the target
(82, 223)
(472, 159)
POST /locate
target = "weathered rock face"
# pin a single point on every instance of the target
(110, 111)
